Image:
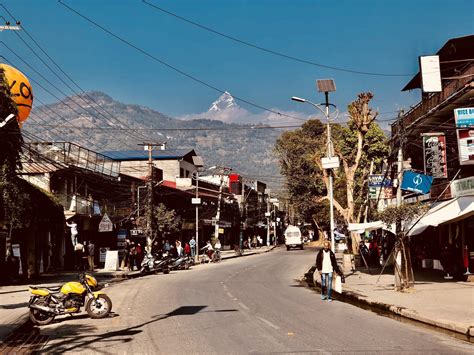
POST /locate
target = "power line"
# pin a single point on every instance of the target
(172, 67)
(271, 51)
(139, 136)
(172, 129)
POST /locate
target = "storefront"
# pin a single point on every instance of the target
(444, 236)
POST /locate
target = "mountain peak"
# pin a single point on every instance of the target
(224, 102)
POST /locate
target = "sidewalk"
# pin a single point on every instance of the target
(14, 299)
(444, 304)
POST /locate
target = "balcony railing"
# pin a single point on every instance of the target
(78, 204)
(424, 106)
(75, 155)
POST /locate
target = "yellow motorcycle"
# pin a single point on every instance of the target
(48, 302)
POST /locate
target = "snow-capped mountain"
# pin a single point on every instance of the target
(224, 102)
(226, 109)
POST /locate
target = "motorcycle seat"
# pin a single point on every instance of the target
(50, 288)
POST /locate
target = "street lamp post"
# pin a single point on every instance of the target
(330, 162)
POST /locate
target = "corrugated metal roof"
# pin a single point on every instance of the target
(127, 155)
(39, 168)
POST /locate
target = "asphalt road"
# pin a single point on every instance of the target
(245, 305)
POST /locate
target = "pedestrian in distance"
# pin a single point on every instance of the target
(90, 255)
(74, 231)
(187, 249)
(179, 249)
(166, 246)
(132, 256)
(79, 254)
(326, 264)
(139, 255)
(192, 244)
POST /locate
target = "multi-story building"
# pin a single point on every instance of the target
(441, 145)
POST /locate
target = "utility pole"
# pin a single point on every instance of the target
(219, 199)
(371, 171)
(268, 214)
(330, 161)
(398, 227)
(197, 216)
(331, 197)
(150, 215)
(243, 215)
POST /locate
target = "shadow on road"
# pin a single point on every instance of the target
(83, 337)
(14, 305)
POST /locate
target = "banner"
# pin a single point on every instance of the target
(380, 187)
(416, 182)
(434, 153)
(466, 146)
(464, 117)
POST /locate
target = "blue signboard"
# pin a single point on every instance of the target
(464, 117)
(379, 180)
(416, 182)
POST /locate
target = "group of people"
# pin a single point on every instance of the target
(84, 256)
(133, 255)
(177, 249)
(255, 242)
(84, 252)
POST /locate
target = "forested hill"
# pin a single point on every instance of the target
(106, 124)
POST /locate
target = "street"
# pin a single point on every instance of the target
(253, 304)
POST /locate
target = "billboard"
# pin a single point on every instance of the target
(380, 187)
(416, 182)
(464, 117)
(466, 146)
(434, 153)
(430, 73)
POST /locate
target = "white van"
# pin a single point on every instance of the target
(293, 238)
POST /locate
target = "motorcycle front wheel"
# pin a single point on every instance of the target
(99, 307)
(40, 317)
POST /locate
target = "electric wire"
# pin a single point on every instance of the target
(172, 67)
(140, 136)
(271, 51)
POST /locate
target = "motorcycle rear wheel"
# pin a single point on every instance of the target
(101, 309)
(40, 318)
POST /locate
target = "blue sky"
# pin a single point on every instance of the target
(376, 36)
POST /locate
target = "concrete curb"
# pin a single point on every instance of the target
(353, 298)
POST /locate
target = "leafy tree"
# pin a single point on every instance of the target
(12, 200)
(356, 144)
(164, 221)
(403, 217)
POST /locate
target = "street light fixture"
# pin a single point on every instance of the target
(330, 162)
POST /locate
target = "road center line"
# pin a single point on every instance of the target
(230, 295)
(268, 323)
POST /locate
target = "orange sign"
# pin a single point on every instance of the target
(21, 91)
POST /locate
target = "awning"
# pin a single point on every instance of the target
(445, 212)
(365, 227)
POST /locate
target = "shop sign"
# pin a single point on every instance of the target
(434, 153)
(379, 180)
(382, 193)
(106, 224)
(135, 232)
(464, 117)
(102, 253)
(221, 230)
(416, 182)
(463, 187)
(466, 146)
